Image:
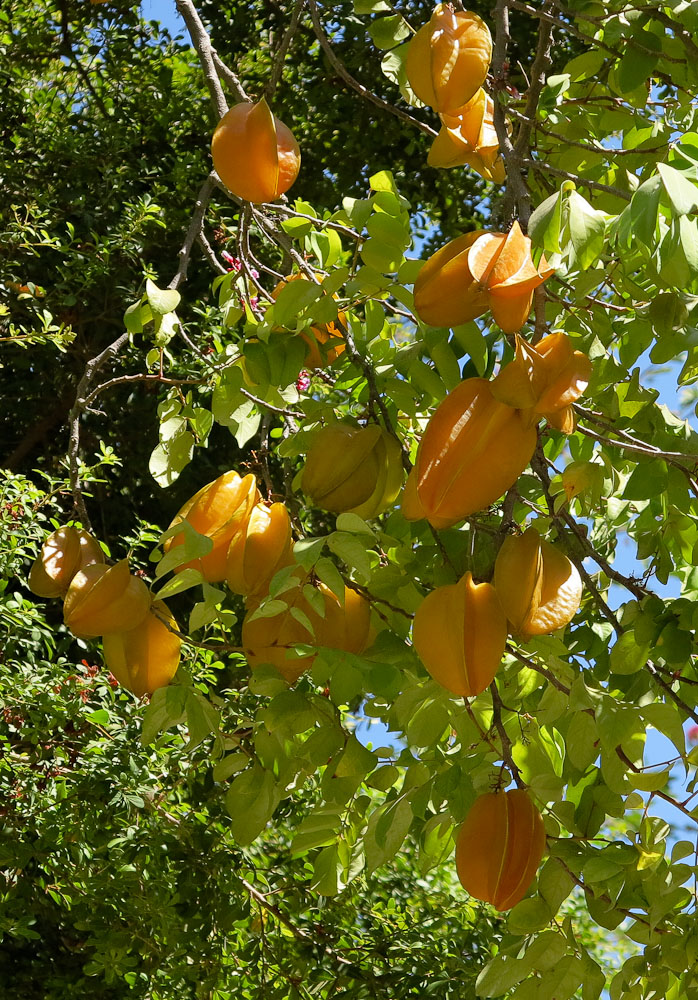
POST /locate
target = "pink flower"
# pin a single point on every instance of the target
(692, 734)
(302, 384)
(235, 264)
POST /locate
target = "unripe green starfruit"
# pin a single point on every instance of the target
(499, 847)
(103, 599)
(354, 470)
(473, 450)
(539, 588)
(460, 632)
(219, 510)
(448, 58)
(146, 657)
(63, 553)
(256, 554)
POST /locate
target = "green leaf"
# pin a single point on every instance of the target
(251, 801)
(202, 718)
(185, 580)
(582, 740)
(387, 829)
(682, 193)
(387, 32)
(529, 915)
(370, 6)
(351, 551)
(586, 229)
(644, 210)
(162, 300)
(544, 224)
(167, 708)
(627, 655)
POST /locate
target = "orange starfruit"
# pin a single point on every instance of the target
(448, 58)
(468, 138)
(354, 470)
(539, 588)
(103, 599)
(146, 657)
(63, 553)
(473, 449)
(219, 510)
(477, 272)
(544, 380)
(254, 153)
(499, 847)
(460, 632)
(260, 551)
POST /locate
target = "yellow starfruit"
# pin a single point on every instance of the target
(468, 138)
(499, 847)
(256, 554)
(460, 632)
(477, 272)
(219, 511)
(271, 640)
(354, 470)
(146, 657)
(63, 553)
(448, 58)
(103, 599)
(539, 588)
(473, 449)
(254, 153)
(544, 380)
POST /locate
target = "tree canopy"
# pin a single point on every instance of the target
(488, 581)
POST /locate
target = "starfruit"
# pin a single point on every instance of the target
(499, 847)
(448, 58)
(103, 599)
(354, 470)
(254, 153)
(468, 138)
(544, 380)
(473, 449)
(146, 657)
(477, 272)
(460, 632)
(341, 626)
(219, 510)
(539, 588)
(63, 553)
(324, 342)
(260, 551)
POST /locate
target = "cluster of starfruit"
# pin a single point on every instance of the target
(140, 647)
(447, 64)
(252, 541)
(460, 630)
(478, 272)
(483, 434)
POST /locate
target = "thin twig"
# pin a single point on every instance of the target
(344, 73)
(202, 44)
